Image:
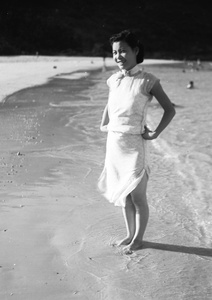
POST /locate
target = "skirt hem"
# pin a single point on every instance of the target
(120, 200)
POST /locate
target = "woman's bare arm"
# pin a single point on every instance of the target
(169, 112)
(105, 120)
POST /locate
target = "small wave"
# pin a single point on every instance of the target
(162, 146)
(75, 75)
(195, 198)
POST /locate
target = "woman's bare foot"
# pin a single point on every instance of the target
(124, 242)
(133, 246)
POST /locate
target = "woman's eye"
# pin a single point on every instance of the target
(120, 52)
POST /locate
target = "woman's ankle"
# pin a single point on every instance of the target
(126, 241)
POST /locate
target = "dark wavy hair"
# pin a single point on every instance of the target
(130, 38)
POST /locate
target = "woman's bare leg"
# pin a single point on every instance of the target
(139, 200)
(129, 218)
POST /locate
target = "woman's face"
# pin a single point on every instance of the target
(124, 55)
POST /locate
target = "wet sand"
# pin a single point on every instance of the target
(57, 231)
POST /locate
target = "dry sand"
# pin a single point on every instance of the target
(55, 228)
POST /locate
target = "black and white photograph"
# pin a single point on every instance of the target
(105, 150)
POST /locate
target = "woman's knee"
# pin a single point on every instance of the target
(138, 196)
(140, 201)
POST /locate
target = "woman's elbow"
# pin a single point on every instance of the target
(172, 112)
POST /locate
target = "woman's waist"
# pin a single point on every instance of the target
(125, 129)
(126, 126)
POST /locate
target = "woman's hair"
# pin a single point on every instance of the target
(130, 38)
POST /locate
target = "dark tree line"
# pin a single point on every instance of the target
(169, 29)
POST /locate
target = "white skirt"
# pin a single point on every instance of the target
(125, 164)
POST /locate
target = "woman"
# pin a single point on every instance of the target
(125, 175)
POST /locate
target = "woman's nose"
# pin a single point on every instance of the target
(118, 55)
(115, 56)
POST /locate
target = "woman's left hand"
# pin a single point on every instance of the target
(149, 134)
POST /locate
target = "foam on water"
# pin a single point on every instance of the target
(194, 198)
(74, 75)
(187, 142)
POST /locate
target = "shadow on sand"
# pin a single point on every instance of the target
(177, 248)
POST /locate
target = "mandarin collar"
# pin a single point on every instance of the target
(131, 72)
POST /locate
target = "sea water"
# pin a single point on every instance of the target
(186, 145)
(181, 157)
(179, 193)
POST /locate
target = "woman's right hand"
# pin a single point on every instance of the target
(103, 128)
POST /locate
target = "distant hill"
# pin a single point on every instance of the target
(168, 29)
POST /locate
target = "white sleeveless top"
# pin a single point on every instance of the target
(129, 96)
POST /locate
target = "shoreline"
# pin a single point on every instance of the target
(20, 72)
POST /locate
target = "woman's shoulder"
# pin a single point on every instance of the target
(115, 75)
(148, 81)
(112, 78)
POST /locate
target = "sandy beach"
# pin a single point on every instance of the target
(56, 230)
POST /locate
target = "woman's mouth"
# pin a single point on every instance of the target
(120, 62)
